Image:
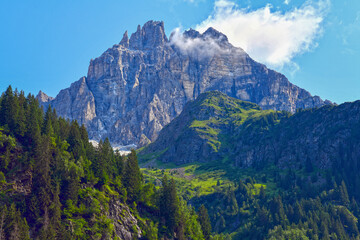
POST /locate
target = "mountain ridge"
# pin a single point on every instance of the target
(138, 86)
(217, 127)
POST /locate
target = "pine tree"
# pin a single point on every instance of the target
(11, 226)
(169, 205)
(118, 163)
(41, 181)
(21, 122)
(20, 229)
(344, 197)
(3, 214)
(47, 125)
(74, 140)
(55, 213)
(72, 183)
(107, 158)
(232, 206)
(33, 133)
(298, 212)
(262, 194)
(132, 177)
(9, 109)
(84, 134)
(104, 166)
(262, 217)
(204, 221)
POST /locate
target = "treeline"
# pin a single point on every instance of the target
(54, 184)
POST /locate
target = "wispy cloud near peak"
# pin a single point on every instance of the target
(271, 37)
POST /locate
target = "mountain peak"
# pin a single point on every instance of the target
(42, 97)
(207, 38)
(151, 35)
(125, 40)
(213, 33)
(191, 33)
(131, 93)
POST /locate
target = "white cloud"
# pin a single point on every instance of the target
(287, 2)
(197, 47)
(270, 37)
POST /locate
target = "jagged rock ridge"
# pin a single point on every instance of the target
(138, 86)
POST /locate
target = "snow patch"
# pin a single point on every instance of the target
(123, 149)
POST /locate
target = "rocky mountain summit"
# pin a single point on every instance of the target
(138, 86)
(43, 98)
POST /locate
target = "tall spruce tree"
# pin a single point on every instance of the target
(74, 139)
(41, 191)
(132, 177)
(204, 221)
(169, 205)
(9, 109)
(21, 121)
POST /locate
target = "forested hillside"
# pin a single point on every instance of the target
(55, 185)
(264, 174)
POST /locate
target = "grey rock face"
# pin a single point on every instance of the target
(126, 225)
(137, 87)
(76, 102)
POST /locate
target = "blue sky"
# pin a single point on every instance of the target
(47, 45)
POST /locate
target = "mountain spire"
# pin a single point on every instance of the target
(125, 40)
(42, 97)
(151, 35)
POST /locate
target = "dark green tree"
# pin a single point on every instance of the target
(169, 205)
(55, 214)
(204, 221)
(75, 141)
(9, 109)
(132, 178)
(41, 191)
(344, 196)
(21, 121)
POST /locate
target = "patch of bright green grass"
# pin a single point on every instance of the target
(257, 187)
(190, 181)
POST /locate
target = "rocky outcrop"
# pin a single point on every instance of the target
(19, 183)
(138, 86)
(76, 102)
(125, 224)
